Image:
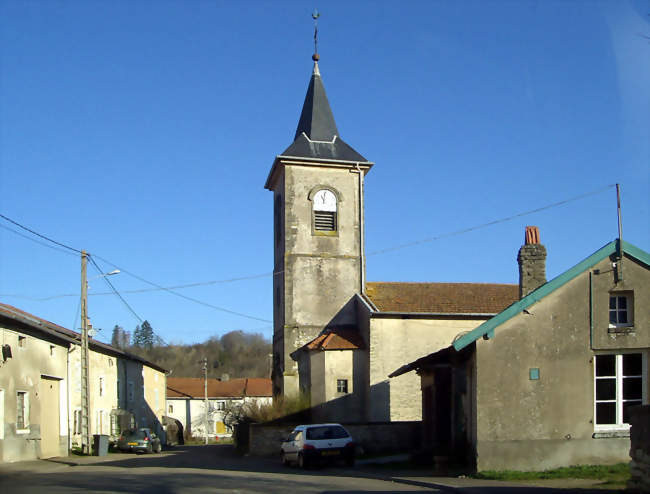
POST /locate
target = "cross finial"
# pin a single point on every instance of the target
(315, 15)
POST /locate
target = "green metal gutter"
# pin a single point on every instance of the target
(487, 328)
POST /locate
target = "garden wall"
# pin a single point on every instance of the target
(373, 438)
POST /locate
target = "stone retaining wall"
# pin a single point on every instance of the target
(640, 449)
(374, 438)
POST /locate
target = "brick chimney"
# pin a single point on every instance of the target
(532, 263)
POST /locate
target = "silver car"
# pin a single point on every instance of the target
(316, 443)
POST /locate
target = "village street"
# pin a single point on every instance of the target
(198, 469)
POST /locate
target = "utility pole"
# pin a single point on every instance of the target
(205, 382)
(85, 377)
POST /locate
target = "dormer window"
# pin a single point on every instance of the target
(324, 212)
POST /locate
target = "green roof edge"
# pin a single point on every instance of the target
(487, 328)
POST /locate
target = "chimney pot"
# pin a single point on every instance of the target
(532, 235)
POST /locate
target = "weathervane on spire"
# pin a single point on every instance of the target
(315, 15)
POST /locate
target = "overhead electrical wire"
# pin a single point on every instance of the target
(197, 301)
(490, 223)
(172, 289)
(114, 290)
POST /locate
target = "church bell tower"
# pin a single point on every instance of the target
(317, 185)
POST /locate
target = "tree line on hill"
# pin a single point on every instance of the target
(232, 355)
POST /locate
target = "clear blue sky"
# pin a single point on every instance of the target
(143, 132)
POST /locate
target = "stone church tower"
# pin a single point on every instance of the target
(317, 185)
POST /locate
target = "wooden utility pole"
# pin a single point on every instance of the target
(205, 382)
(85, 375)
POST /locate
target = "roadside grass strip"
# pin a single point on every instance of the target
(614, 474)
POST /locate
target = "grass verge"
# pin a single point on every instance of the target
(610, 474)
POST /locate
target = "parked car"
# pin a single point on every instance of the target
(139, 440)
(310, 444)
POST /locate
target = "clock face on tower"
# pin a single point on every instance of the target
(324, 200)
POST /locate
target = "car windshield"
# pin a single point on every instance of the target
(326, 432)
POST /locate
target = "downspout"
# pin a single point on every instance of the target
(362, 260)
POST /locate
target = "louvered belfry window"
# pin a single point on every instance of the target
(325, 211)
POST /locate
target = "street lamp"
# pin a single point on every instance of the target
(85, 362)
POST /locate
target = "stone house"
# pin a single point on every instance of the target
(336, 338)
(34, 383)
(550, 380)
(122, 385)
(186, 402)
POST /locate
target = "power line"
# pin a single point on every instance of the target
(484, 225)
(31, 239)
(117, 294)
(39, 234)
(191, 299)
(197, 301)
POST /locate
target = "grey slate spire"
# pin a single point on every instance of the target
(317, 136)
(316, 119)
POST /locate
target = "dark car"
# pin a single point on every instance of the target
(139, 440)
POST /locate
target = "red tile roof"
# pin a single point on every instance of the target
(337, 339)
(444, 298)
(194, 387)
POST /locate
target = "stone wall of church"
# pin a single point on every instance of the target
(395, 342)
(321, 273)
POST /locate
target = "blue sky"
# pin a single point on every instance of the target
(143, 132)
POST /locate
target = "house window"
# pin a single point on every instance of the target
(324, 209)
(22, 341)
(620, 310)
(171, 409)
(101, 386)
(619, 384)
(51, 350)
(221, 406)
(130, 392)
(341, 385)
(22, 410)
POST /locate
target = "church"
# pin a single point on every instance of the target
(336, 336)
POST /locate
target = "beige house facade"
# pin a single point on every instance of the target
(186, 403)
(33, 389)
(40, 388)
(549, 381)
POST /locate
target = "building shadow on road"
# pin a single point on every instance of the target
(225, 469)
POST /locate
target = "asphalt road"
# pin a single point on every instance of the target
(186, 469)
(215, 469)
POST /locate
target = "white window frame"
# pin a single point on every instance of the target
(25, 428)
(629, 309)
(221, 406)
(347, 386)
(620, 425)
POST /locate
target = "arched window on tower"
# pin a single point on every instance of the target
(324, 212)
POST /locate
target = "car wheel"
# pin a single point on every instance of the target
(302, 461)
